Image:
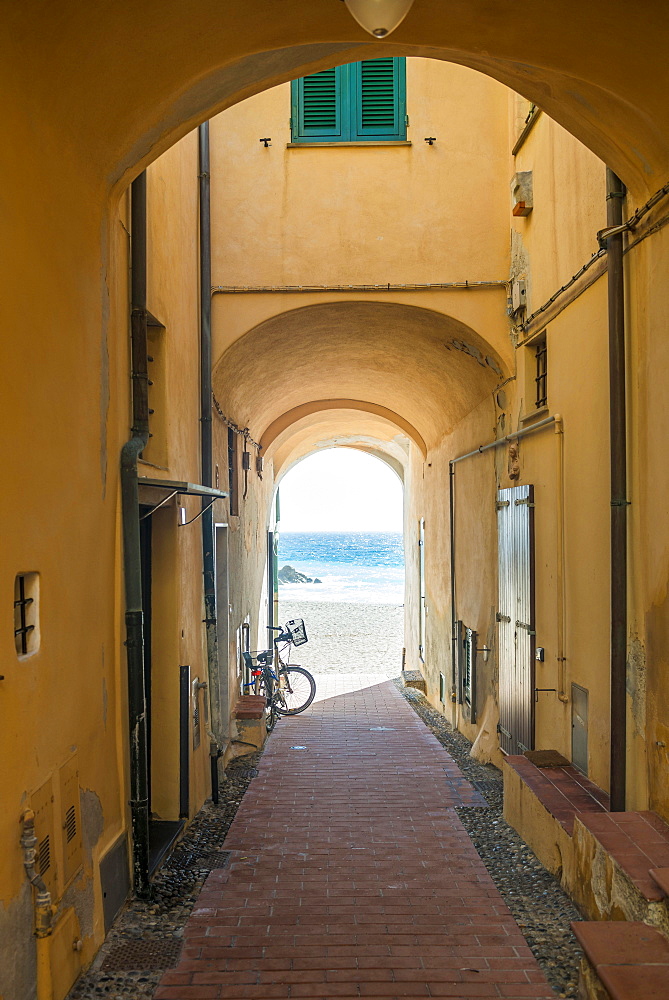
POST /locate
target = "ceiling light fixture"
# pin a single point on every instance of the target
(379, 17)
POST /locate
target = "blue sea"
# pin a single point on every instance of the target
(354, 567)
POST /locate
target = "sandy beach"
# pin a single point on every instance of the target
(346, 638)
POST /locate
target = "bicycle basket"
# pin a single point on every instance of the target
(297, 631)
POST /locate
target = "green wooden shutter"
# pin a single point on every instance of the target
(317, 107)
(379, 110)
(364, 101)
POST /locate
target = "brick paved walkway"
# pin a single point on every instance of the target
(351, 874)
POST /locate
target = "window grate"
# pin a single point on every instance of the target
(541, 378)
(469, 674)
(233, 480)
(22, 629)
(26, 612)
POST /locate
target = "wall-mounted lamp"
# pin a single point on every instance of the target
(430, 140)
(266, 140)
(379, 17)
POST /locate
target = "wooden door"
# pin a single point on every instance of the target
(515, 617)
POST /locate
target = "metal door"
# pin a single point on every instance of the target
(515, 617)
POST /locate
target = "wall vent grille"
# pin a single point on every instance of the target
(71, 824)
(44, 855)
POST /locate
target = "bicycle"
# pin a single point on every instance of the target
(289, 690)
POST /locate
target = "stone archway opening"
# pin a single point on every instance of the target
(340, 557)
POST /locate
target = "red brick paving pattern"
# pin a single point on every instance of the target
(352, 875)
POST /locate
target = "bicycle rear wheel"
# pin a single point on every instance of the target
(296, 690)
(268, 688)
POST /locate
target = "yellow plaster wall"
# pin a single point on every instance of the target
(648, 662)
(365, 214)
(569, 186)
(177, 587)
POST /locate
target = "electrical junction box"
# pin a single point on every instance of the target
(518, 295)
(521, 193)
(65, 954)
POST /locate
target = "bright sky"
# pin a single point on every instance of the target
(341, 490)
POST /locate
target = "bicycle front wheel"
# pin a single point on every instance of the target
(296, 690)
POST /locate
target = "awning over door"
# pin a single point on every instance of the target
(156, 493)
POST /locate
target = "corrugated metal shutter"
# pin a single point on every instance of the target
(515, 616)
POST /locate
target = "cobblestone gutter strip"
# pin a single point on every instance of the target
(146, 937)
(538, 903)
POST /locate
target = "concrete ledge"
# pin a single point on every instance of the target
(414, 679)
(540, 830)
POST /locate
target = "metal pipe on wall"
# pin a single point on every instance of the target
(206, 457)
(560, 561)
(44, 908)
(615, 193)
(134, 614)
(451, 512)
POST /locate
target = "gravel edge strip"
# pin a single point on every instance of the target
(538, 903)
(176, 887)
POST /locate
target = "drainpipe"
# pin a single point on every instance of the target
(560, 563)
(44, 910)
(134, 615)
(615, 192)
(451, 512)
(208, 537)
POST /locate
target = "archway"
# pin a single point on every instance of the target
(340, 562)
(413, 367)
(574, 62)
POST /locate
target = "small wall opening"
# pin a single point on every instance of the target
(26, 614)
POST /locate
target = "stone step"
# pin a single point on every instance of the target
(661, 877)
(562, 790)
(636, 842)
(414, 679)
(250, 706)
(624, 960)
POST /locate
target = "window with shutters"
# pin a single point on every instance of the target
(360, 102)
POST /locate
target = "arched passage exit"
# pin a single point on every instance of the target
(340, 560)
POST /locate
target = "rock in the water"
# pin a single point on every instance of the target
(289, 575)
